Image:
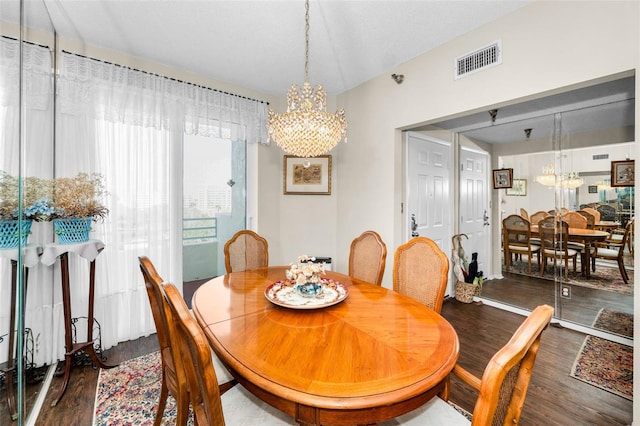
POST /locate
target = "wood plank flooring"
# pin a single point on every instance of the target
(554, 397)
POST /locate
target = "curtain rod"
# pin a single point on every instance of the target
(164, 76)
(28, 42)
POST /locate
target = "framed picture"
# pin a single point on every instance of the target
(623, 173)
(502, 178)
(593, 189)
(307, 176)
(519, 188)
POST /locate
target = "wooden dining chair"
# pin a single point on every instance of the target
(502, 388)
(245, 250)
(516, 234)
(421, 271)
(524, 213)
(367, 257)
(237, 405)
(173, 378)
(537, 217)
(614, 250)
(554, 237)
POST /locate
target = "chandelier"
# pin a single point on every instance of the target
(549, 178)
(307, 130)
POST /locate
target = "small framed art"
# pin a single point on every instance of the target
(307, 176)
(502, 178)
(519, 188)
(623, 173)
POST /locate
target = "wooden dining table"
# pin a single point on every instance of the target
(373, 356)
(581, 235)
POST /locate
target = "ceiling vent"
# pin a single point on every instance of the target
(483, 58)
(601, 157)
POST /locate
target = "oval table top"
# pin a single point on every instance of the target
(373, 356)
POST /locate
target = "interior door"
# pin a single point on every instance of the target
(474, 201)
(428, 189)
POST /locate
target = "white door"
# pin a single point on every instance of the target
(428, 191)
(474, 201)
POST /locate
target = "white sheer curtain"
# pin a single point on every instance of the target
(37, 153)
(127, 125)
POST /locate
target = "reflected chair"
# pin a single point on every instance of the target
(594, 212)
(244, 251)
(524, 213)
(537, 217)
(237, 405)
(516, 234)
(173, 378)
(614, 250)
(503, 387)
(591, 219)
(554, 237)
(578, 220)
(367, 257)
(607, 212)
(421, 271)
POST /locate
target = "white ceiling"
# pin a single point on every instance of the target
(259, 44)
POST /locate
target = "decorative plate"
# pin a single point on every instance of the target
(283, 293)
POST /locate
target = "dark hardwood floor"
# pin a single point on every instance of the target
(554, 397)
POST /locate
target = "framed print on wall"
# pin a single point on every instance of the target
(315, 179)
(519, 188)
(502, 178)
(623, 173)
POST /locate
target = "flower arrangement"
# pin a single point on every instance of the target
(79, 196)
(48, 199)
(305, 271)
(35, 195)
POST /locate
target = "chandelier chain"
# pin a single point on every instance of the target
(306, 45)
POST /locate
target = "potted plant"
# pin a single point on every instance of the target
(15, 228)
(77, 201)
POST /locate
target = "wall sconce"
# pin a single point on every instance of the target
(398, 78)
(527, 133)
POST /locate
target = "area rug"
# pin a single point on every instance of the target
(616, 322)
(605, 364)
(606, 277)
(128, 394)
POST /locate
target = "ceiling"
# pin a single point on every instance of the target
(259, 45)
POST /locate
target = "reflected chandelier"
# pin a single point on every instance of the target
(307, 130)
(549, 178)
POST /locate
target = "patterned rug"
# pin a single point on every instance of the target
(614, 322)
(606, 276)
(128, 394)
(605, 364)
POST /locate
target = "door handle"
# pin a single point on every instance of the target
(414, 226)
(486, 218)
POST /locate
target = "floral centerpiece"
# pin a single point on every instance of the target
(305, 276)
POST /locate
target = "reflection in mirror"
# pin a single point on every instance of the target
(26, 147)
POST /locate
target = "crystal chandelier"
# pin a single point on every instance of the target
(307, 129)
(572, 180)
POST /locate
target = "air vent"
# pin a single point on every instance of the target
(601, 157)
(481, 59)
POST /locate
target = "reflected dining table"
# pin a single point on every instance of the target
(582, 235)
(373, 356)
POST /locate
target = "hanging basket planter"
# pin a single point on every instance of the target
(72, 230)
(14, 233)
